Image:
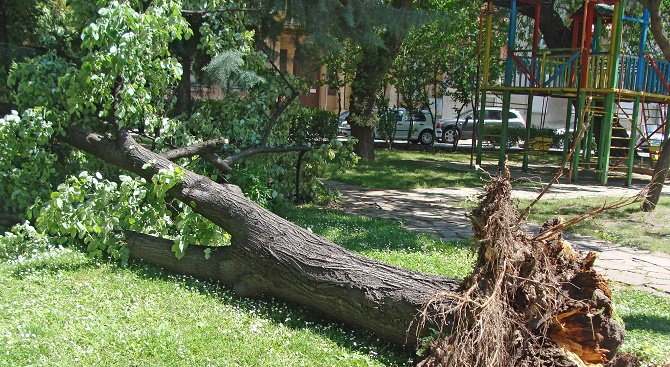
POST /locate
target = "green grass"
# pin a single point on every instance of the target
(628, 226)
(67, 310)
(63, 309)
(386, 241)
(410, 170)
(647, 320)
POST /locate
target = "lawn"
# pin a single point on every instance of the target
(61, 308)
(413, 169)
(407, 169)
(627, 226)
(397, 169)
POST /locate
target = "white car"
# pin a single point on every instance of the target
(462, 128)
(420, 122)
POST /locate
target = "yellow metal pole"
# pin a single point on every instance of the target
(487, 47)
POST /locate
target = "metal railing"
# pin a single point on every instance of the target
(559, 69)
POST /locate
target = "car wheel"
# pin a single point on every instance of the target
(450, 135)
(426, 137)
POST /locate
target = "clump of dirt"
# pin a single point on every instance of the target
(532, 300)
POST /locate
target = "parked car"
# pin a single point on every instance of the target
(462, 128)
(643, 143)
(420, 122)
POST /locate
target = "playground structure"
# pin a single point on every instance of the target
(627, 94)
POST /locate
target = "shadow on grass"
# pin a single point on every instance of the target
(288, 314)
(50, 262)
(656, 323)
(277, 312)
(359, 233)
(408, 174)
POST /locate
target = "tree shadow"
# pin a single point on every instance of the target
(290, 315)
(361, 233)
(50, 262)
(655, 323)
(293, 316)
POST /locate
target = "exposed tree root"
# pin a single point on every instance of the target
(530, 301)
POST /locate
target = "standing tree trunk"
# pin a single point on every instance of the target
(370, 72)
(184, 99)
(364, 89)
(658, 179)
(661, 170)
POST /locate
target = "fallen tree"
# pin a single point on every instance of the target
(528, 297)
(534, 296)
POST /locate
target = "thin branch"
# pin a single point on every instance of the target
(275, 117)
(281, 107)
(216, 161)
(226, 164)
(261, 149)
(195, 149)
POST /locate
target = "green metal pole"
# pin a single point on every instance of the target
(580, 122)
(529, 120)
(633, 141)
(480, 128)
(605, 139)
(588, 143)
(566, 134)
(606, 129)
(507, 95)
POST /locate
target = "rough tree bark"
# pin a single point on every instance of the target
(663, 164)
(658, 179)
(272, 256)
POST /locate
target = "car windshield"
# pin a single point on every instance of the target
(343, 116)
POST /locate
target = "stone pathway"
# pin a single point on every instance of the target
(435, 211)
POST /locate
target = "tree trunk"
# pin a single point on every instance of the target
(184, 99)
(658, 180)
(7, 220)
(365, 86)
(273, 257)
(270, 256)
(661, 170)
(307, 270)
(3, 23)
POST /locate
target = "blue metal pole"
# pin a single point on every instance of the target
(639, 83)
(511, 43)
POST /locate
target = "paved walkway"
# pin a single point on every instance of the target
(435, 211)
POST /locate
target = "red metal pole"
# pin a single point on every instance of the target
(587, 37)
